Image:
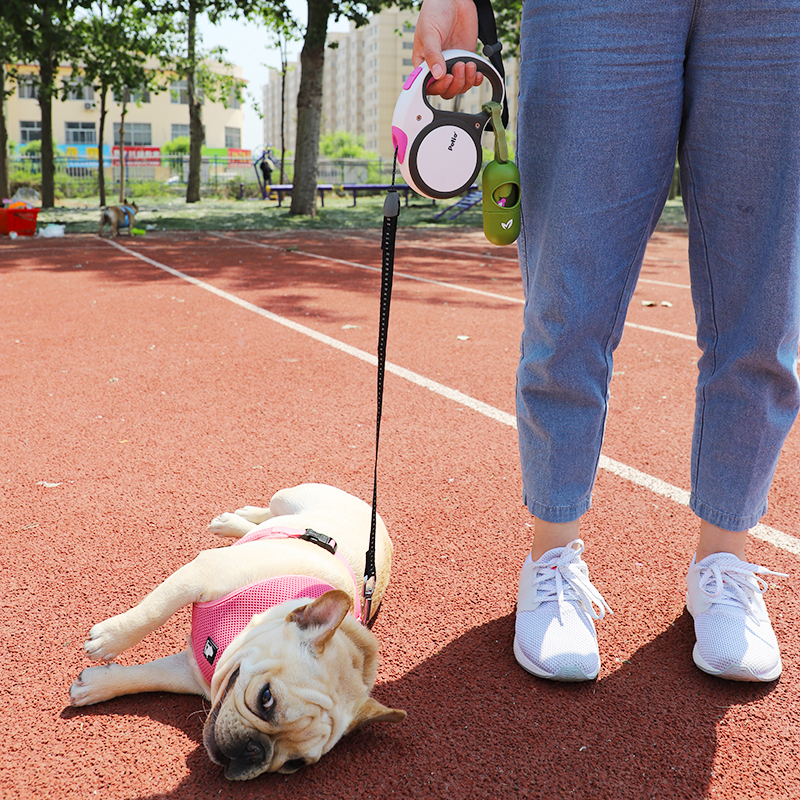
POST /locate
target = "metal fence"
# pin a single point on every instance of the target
(173, 170)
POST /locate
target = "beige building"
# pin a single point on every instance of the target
(152, 119)
(364, 74)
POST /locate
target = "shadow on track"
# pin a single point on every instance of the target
(479, 726)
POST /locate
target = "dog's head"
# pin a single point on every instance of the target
(290, 686)
(132, 205)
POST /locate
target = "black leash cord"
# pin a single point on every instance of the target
(391, 212)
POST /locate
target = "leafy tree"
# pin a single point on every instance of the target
(508, 16)
(116, 44)
(45, 31)
(186, 57)
(9, 48)
(284, 30)
(178, 146)
(309, 99)
(344, 144)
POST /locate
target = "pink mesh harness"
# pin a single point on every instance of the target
(216, 623)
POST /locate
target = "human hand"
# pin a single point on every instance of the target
(444, 25)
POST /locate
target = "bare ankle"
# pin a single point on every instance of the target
(549, 535)
(718, 540)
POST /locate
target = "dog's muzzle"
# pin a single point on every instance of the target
(242, 757)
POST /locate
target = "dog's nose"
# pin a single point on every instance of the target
(253, 752)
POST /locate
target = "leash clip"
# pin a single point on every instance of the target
(366, 603)
(319, 539)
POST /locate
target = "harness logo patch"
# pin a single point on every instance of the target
(210, 651)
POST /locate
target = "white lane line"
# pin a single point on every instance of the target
(457, 287)
(680, 496)
(662, 331)
(454, 286)
(655, 485)
(664, 283)
(490, 255)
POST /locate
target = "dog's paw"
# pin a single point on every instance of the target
(109, 638)
(228, 524)
(95, 684)
(254, 514)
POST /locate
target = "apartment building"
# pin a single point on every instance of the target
(365, 69)
(152, 118)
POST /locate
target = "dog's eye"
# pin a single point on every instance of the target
(267, 700)
(292, 765)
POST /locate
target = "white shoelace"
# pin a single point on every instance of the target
(735, 583)
(566, 573)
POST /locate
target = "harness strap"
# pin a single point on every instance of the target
(309, 535)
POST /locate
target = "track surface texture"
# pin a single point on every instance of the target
(139, 402)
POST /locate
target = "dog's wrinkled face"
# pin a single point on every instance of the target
(290, 686)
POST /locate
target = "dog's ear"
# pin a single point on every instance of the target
(320, 619)
(373, 711)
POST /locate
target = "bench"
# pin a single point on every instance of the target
(355, 188)
(286, 188)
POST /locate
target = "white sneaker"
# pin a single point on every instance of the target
(555, 636)
(735, 639)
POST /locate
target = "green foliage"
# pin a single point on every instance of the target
(344, 144)
(34, 148)
(179, 145)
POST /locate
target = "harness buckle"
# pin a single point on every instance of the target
(319, 539)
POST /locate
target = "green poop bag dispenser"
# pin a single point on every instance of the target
(501, 189)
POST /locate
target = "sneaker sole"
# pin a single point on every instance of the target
(566, 674)
(737, 672)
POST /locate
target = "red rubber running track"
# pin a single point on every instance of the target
(151, 384)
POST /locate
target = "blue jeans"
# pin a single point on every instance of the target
(610, 90)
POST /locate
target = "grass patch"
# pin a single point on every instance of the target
(174, 214)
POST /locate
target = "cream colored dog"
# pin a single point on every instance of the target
(298, 676)
(118, 217)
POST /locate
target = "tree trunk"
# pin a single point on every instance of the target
(122, 160)
(309, 109)
(284, 69)
(46, 89)
(101, 161)
(4, 189)
(195, 111)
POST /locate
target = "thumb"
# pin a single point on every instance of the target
(428, 49)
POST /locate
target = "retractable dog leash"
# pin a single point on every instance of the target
(440, 155)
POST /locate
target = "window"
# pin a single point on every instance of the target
(183, 130)
(30, 131)
(27, 88)
(80, 133)
(233, 138)
(407, 62)
(179, 93)
(408, 45)
(136, 134)
(77, 91)
(234, 101)
(137, 97)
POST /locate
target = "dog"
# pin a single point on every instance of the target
(296, 676)
(118, 217)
